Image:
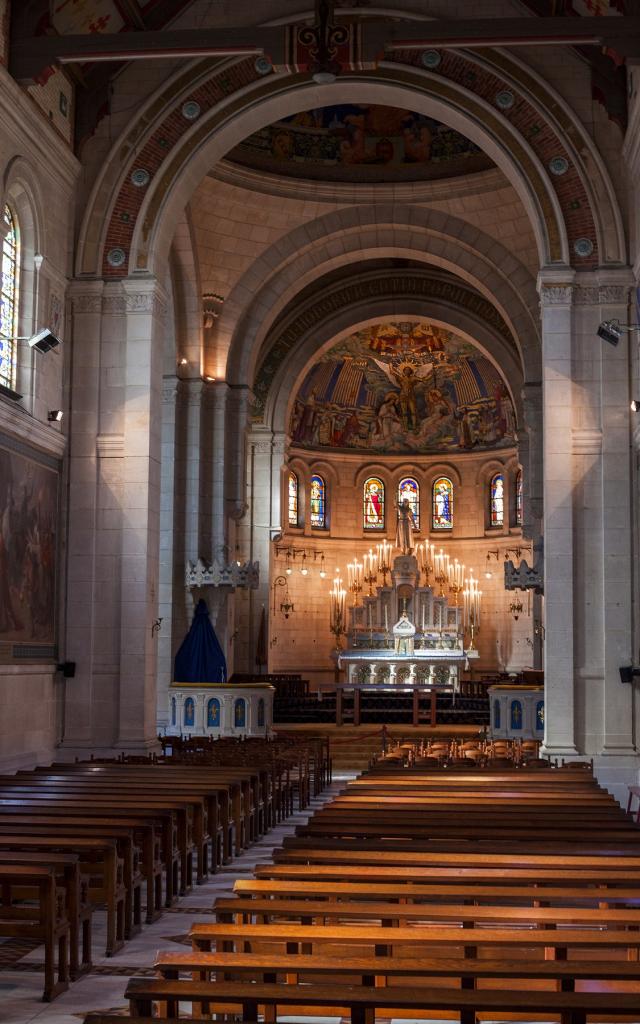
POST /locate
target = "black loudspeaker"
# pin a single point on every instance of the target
(627, 672)
(68, 669)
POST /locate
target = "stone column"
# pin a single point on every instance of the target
(530, 447)
(145, 307)
(170, 388)
(217, 393)
(83, 513)
(604, 376)
(556, 293)
(192, 395)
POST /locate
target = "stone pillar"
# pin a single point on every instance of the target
(556, 294)
(193, 394)
(145, 307)
(217, 392)
(605, 376)
(84, 518)
(170, 388)
(530, 446)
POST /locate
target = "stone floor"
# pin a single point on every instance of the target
(21, 977)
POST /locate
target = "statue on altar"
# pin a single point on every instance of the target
(405, 526)
(404, 632)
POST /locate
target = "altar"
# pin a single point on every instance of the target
(404, 658)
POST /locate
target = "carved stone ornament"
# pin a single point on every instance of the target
(586, 296)
(87, 302)
(556, 294)
(246, 576)
(523, 577)
(613, 293)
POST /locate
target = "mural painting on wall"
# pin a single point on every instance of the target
(360, 142)
(28, 529)
(403, 387)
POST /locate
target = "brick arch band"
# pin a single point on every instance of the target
(196, 118)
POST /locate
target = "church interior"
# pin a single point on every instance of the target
(319, 489)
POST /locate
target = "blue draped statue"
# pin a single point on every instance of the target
(200, 658)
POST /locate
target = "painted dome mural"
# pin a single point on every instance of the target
(353, 142)
(396, 388)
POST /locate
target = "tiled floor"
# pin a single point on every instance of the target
(21, 981)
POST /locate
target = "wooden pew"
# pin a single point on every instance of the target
(408, 893)
(185, 818)
(78, 907)
(360, 1003)
(47, 921)
(125, 850)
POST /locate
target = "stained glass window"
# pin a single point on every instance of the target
(519, 498)
(409, 490)
(293, 499)
(373, 497)
(442, 511)
(317, 502)
(10, 270)
(497, 500)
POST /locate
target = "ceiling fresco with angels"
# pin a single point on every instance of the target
(398, 387)
(355, 142)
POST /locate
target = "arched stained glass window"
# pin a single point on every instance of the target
(317, 502)
(293, 499)
(442, 504)
(519, 498)
(496, 506)
(10, 270)
(373, 504)
(409, 490)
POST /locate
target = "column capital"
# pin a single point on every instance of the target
(170, 387)
(193, 389)
(144, 295)
(86, 296)
(555, 286)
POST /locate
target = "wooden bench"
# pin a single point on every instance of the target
(45, 919)
(78, 907)
(505, 893)
(360, 1003)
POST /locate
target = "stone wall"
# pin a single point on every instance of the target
(38, 174)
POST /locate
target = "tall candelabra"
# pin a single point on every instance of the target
(425, 554)
(337, 610)
(441, 570)
(456, 578)
(354, 581)
(471, 601)
(383, 551)
(370, 570)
